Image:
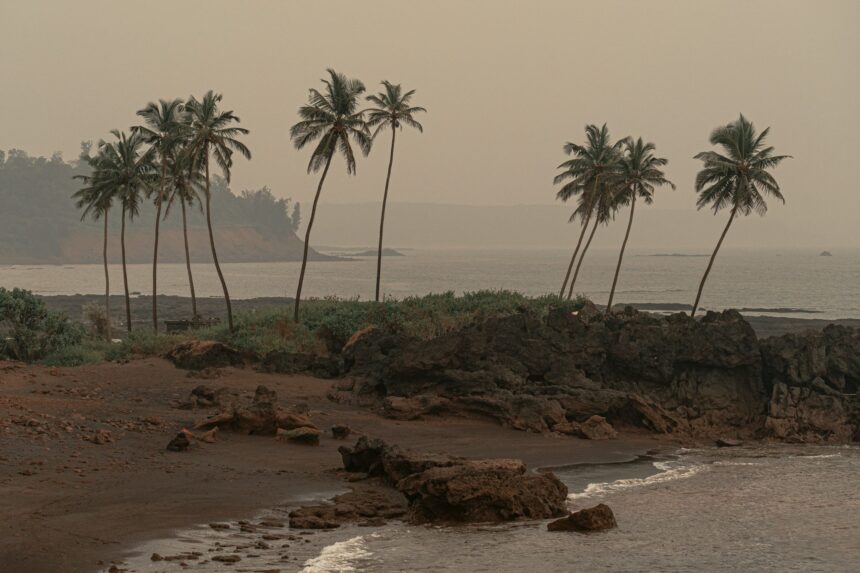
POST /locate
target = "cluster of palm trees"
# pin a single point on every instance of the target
(333, 119)
(166, 160)
(605, 176)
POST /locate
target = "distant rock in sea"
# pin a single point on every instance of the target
(825, 254)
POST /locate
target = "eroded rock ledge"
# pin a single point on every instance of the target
(436, 489)
(698, 378)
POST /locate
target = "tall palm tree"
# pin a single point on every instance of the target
(332, 117)
(162, 129)
(212, 133)
(392, 111)
(185, 181)
(637, 174)
(96, 200)
(737, 178)
(125, 171)
(582, 176)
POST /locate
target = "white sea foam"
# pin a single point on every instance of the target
(340, 557)
(669, 471)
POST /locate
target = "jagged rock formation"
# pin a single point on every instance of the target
(665, 374)
(445, 489)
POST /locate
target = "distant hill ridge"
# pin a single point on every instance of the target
(39, 223)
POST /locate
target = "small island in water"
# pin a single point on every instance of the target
(825, 254)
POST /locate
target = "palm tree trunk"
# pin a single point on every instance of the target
(125, 274)
(573, 258)
(212, 245)
(581, 257)
(621, 256)
(155, 248)
(107, 279)
(188, 262)
(308, 236)
(382, 217)
(711, 262)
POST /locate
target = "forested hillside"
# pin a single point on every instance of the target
(39, 223)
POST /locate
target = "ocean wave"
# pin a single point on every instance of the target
(340, 557)
(669, 471)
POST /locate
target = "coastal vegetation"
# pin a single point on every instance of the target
(324, 323)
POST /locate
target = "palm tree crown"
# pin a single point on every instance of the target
(125, 169)
(637, 173)
(334, 119)
(392, 109)
(739, 177)
(581, 174)
(164, 126)
(212, 131)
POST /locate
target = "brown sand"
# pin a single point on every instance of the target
(69, 504)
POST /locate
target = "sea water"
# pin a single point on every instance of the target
(773, 508)
(797, 283)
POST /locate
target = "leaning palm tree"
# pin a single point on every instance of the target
(95, 200)
(582, 176)
(637, 174)
(185, 181)
(125, 171)
(162, 129)
(392, 111)
(738, 178)
(212, 133)
(332, 117)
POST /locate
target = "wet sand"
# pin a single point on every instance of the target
(73, 505)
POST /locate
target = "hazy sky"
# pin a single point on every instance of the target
(506, 84)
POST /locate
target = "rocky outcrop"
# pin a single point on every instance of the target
(597, 518)
(201, 354)
(443, 489)
(813, 380)
(566, 371)
(261, 416)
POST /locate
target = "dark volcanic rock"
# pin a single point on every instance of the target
(360, 505)
(294, 363)
(813, 380)
(597, 518)
(261, 416)
(201, 354)
(180, 443)
(448, 489)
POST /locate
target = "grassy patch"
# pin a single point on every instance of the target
(321, 320)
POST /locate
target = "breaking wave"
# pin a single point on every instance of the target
(669, 471)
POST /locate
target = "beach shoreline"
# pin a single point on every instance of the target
(91, 503)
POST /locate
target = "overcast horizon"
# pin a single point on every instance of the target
(504, 87)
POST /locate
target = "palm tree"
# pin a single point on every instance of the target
(392, 110)
(582, 176)
(739, 178)
(163, 130)
(185, 180)
(637, 174)
(95, 200)
(125, 171)
(333, 118)
(211, 132)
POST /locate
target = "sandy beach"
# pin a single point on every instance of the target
(72, 505)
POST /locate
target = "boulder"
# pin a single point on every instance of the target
(306, 436)
(482, 491)
(594, 428)
(261, 416)
(201, 354)
(727, 443)
(597, 518)
(180, 443)
(340, 431)
(359, 505)
(442, 489)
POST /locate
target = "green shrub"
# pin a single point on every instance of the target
(29, 331)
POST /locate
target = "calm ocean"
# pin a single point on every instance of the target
(780, 283)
